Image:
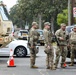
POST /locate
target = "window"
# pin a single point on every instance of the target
(41, 33)
(3, 13)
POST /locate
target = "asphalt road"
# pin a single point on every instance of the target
(23, 66)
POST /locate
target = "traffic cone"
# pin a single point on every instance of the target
(65, 65)
(11, 62)
(11, 52)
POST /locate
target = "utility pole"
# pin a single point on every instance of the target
(40, 20)
(69, 12)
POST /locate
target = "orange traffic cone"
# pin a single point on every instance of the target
(65, 65)
(11, 62)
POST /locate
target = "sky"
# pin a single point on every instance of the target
(9, 3)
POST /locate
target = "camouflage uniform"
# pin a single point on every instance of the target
(61, 48)
(48, 48)
(6, 40)
(72, 38)
(33, 38)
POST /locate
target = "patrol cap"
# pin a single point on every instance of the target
(34, 23)
(47, 23)
(63, 24)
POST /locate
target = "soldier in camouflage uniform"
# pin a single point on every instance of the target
(48, 46)
(62, 45)
(72, 41)
(33, 38)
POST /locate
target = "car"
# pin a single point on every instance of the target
(41, 37)
(23, 34)
(19, 47)
(69, 29)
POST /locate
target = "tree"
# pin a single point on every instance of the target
(16, 17)
(62, 17)
(31, 10)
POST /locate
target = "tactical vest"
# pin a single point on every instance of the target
(49, 33)
(35, 36)
(63, 35)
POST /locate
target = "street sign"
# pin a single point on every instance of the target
(74, 11)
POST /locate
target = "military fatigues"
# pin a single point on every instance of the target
(6, 40)
(48, 48)
(72, 40)
(61, 48)
(33, 38)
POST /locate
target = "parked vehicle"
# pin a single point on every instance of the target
(19, 47)
(41, 38)
(69, 28)
(23, 34)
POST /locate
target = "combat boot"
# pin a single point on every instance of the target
(48, 67)
(34, 66)
(53, 68)
(63, 66)
(55, 65)
(71, 64)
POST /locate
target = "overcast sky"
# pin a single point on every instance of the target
(9, 3)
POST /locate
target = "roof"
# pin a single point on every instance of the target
(69, 28)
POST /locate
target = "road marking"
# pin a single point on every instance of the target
(43, 71)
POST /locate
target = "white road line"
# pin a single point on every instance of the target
(43, 71)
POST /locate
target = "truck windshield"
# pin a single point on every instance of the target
(4, 13)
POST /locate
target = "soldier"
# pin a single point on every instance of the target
(62, 45)
(33, 38)
(72, 38)
(48, 46)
